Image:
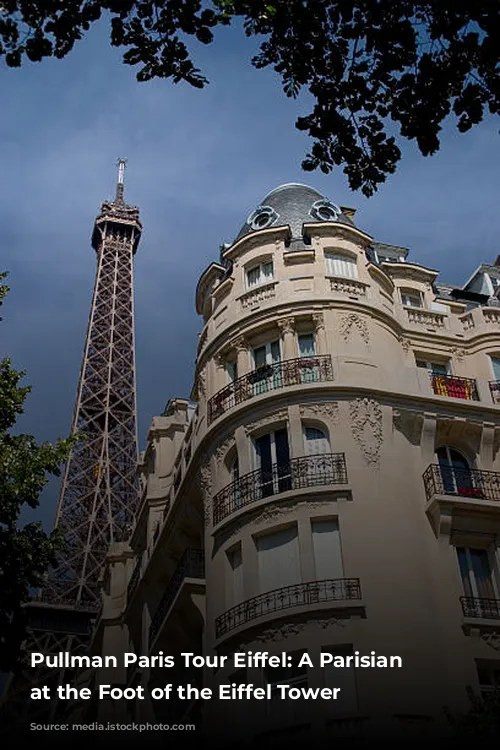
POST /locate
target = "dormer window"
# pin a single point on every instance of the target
(261, 273)
(411, 298)
(325, 211)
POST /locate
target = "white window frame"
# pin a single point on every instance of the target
(341, 265)
(265, 273)
(410, 293)
(429, 365)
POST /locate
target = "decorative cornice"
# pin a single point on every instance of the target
(286, 325)
(492, 639)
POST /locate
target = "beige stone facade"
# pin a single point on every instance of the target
(331, 487)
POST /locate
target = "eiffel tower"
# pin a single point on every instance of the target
(99, 491)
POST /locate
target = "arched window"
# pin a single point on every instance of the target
(456, 473)
(315, 441)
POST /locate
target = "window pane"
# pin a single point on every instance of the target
(341, 265)
(495, 363)
(327, 551)
(253, 276)
(306, 345)
(267, 270)
(259, 356)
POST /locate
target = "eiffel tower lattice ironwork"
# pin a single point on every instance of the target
(99, 492)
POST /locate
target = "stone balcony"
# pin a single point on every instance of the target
(288, 372)
(340, 593)
(299, 473)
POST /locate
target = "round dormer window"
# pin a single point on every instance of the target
(262, 217)
(325, 211)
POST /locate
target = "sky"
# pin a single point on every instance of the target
(198, 163)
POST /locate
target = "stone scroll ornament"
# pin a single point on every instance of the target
(366, 425)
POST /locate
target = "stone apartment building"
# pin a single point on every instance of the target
(332, 485)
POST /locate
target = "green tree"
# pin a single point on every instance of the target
(26, 551)
(377, 70)
(482, 720)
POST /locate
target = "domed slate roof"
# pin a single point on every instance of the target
(294, 205)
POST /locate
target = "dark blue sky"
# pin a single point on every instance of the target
(198, 162)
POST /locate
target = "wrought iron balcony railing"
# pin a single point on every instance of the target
(488, 609)
(300, 595)
(495, 391)
(191, 565)
(287, 372)
(298, 473)
(469, 483)
(454, 387)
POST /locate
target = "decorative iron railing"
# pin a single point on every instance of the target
(287, 372)
(191, 565)
(454, 387)
(495, 391)
(134, 579)
(470, 483)
(298, 473)
(489, 609)
(300, 595)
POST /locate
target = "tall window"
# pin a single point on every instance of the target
(315, 441)
(489, 678)
(455, 471)
(279, 560)
(343, 678)
(294, 676)
(307, 345)
(495, 366)
(341, 265)
(232, 371)
(266, 376)
(309, 366)
(476, 573)
(327, 551)
(272, 457)
(260, 274)
(411, 298)
(234, 580)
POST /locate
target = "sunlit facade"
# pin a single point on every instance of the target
(332, 485)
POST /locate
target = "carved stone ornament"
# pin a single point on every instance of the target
(366, 426)
(275, 511)
(239, 344)
(460, 353)
(318, 320)
(280, 633)
(276, 416)
(492, 639)
(353, 320)
(286, 325)
(330, 623)
(205, 480)
(405, 344)
(327, 410)
(222, 450)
